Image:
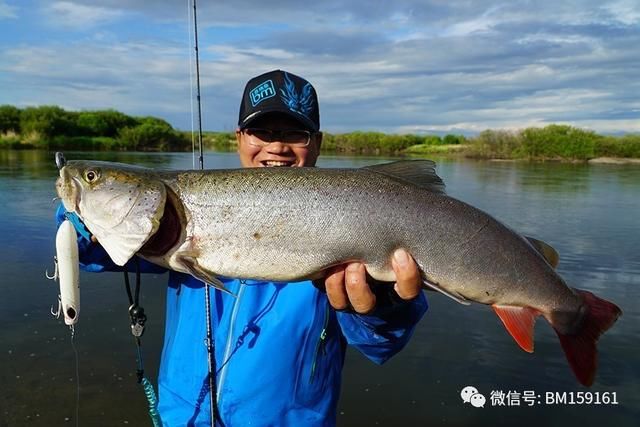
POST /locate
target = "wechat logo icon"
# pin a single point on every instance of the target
(470, 394)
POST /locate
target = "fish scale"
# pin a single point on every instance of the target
(292, 224)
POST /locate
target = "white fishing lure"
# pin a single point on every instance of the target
(67, 273)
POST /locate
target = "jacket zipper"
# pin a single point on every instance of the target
(227, 349)
(320, 344)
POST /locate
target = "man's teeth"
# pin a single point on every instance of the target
(276, 163)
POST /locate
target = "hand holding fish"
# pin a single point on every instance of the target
(347, 285)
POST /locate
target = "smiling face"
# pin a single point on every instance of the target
(277, 153)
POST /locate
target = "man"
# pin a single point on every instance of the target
(279, 347)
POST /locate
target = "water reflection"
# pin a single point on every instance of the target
(589, 213)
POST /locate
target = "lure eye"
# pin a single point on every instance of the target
(91, 176)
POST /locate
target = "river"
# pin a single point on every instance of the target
(589, 213)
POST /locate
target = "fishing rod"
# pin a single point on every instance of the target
(211, 362)
(195, 32)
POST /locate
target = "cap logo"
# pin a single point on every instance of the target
(298, 103)
(261, 92)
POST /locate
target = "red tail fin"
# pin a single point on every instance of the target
(580, 348)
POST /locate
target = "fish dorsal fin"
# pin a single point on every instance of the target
(548, 252)
(421, 173)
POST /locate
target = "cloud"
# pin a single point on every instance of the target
(626, 12)
(390, 66)
(7, 11)
(71, 15)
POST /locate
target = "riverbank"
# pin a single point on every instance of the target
(53, 128)
(614, 161)
(225, 142)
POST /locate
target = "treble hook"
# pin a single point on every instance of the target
(60, 160)
(56, 313)
(55, 272)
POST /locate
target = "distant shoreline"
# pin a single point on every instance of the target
(53, 128)
(455, 153)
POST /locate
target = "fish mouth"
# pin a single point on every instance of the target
(69, 191)
(277, 163)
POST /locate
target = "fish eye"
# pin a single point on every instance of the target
(91, 176)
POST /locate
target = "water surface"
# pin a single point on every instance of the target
(589, 213)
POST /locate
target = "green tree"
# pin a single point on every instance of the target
(432, 140)
(9, 119)
(558, 141)
(450, 139)
(501, 144)
(103, 123)
(47, 122)
(91, 123)
(151, 134)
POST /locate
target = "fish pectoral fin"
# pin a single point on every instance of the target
(519, 322)
(417, 172)
(453, 295)
(546, 250)
(191, 264)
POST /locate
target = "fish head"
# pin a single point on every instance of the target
(121, 205)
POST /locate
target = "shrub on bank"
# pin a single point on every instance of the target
(218, 141)
(557, 141)
(47, 122)
(151, 135)
(9, 120)
(51, 127)
(103, 123)
(623, 146)
(550, 142)
(380, 143)
(495, 144)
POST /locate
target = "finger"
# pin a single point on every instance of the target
(362, 299)
(409, 282)
(334, 284)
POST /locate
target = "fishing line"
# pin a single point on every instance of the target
(76, 356)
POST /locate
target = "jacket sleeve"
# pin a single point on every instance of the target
(93, 257)
(386, 331)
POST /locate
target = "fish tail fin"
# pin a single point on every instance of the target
(519, 322)
(580, 347)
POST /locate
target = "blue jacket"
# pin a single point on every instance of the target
(279, 347)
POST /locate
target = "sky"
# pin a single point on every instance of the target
(403, 66)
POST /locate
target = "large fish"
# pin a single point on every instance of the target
(288, 224)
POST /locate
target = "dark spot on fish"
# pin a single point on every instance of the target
(486, 292)
(257, 236)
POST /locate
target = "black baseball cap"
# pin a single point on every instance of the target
(281, 92)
